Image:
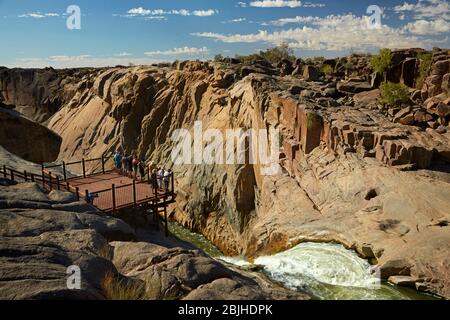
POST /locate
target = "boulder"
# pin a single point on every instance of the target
(295, 90)
(375, 79)
(403, 281)
(422, 116)
(353, 86)
(222, 80)
(440, 68)
(310, 73)
(394, 268)
(409, 72)
(445, 86)
(298, 71)
(285, 67)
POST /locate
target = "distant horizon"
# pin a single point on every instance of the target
(131, 65)
(103, 33)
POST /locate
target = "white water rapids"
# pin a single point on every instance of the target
(326, 271)
(323, 270)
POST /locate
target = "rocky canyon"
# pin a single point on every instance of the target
(354, 170)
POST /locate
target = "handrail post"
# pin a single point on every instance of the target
(57, 183)
(165, 218)
(4, 171)
(84, 167)
(103, 165)
(77, 193)
(43, 175)
(173, 183)
(67, 186)
(32, 177)
(50, 180)
(12, 174)
(64, 170)
(113, 191)
(25, 175)
(134, 193)
(155, 186)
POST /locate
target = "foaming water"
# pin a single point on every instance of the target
(328, 271)
(323, 270)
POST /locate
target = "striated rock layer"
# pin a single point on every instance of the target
(27, 139)
(352, 172)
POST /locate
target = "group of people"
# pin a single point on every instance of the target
(131, 166)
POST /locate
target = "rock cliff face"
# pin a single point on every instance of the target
(354, 171)
(26, 138)
(38, 93)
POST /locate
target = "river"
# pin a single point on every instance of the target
(323, 270)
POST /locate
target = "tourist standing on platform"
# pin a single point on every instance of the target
(160, 176)
(142, 169)
(154, 179)
(124, 165)
(166, 180)
(151, 166)
(129, 165)
(135, 164)
(117, 160)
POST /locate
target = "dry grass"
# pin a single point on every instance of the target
(117, 288)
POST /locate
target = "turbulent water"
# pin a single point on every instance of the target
(329, 271)
(323, 270)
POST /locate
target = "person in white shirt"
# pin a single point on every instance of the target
(166, 180)
(160, 176)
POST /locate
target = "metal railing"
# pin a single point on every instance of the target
(49, 182)
(146, 190)
(133, 194)
(82, 168)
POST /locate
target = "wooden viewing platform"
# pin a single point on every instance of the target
(107, 190)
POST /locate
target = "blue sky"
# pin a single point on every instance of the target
(34, 32)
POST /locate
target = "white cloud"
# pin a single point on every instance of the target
(314, 5)
(426, 9)
(428, 27)
(276, 3)
(65, 61)
(69, 58)
(178, 51)
(134, 12)
(123, 54)
(237, 20)
(204, 13)
(331, 33)
(297, 19)
(38, 15)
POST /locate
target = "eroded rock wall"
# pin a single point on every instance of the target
(27, 139)
(343, 158)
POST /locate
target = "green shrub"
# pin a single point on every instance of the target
(318, 60)
(272, 55)
(425, 60)
(312, 119)
(326, 69)
(218, 58)
(381, 62)
(393, 93)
